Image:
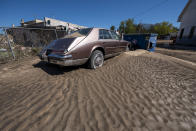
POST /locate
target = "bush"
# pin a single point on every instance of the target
(35, 50)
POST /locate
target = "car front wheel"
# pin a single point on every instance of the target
(96, 59)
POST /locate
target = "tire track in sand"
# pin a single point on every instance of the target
(145, 92)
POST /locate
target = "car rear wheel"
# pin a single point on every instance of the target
(131, 47)
(96, 60)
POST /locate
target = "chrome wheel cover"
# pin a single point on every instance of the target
(98, 60)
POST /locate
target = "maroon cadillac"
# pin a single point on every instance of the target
(89, 45)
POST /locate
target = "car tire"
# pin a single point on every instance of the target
(96, 60)
(131, 47)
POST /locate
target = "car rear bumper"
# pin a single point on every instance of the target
(62, 60)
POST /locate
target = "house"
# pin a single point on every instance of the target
(41, 32)
(187, 32)
(50, 23)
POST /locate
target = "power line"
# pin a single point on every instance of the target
(148, 10)
(151, 8)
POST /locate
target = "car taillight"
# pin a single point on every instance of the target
(48, 51)
(59, 51)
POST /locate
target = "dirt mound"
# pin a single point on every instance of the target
(135, 90)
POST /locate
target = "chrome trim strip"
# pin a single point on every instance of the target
(65, 62)
(122, 46)
(60, 56)
(69, 62)
(111, 47)
(111, 55)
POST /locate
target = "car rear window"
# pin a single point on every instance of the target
(84, 31)
(79, 33)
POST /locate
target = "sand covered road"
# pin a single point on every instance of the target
(181, 54)
(133, 91)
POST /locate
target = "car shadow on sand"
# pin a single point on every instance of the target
(53, 69)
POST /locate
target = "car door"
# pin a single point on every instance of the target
(118, 43)
(122, 45)
(109, 44)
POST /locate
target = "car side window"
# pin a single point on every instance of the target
(101, 34)
(104, 34)
(114, 35)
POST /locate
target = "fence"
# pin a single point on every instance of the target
(18, 42)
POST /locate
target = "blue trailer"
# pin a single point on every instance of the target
(142, 41)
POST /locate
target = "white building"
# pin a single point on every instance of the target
(55, 23)
(51, 23)
(187, 32)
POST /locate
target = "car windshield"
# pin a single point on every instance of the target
(79, 33)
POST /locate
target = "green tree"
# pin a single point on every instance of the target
(112, 28)
(175, 29)
(163, 28)
(151, 29)
(122, 27)
(130, 27)
(140, 28)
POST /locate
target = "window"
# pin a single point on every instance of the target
(191, 32)
(104, 34)
(101, 34)
(84, 32)
(181, 33)
(114, 35)
(48, 22)
(79, 33)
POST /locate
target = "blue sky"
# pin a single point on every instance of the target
(92, 13)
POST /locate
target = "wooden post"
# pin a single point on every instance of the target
(56, 34)
(5, 30)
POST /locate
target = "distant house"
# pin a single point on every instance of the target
(187, 32)
(50, 23)
(41, 32)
